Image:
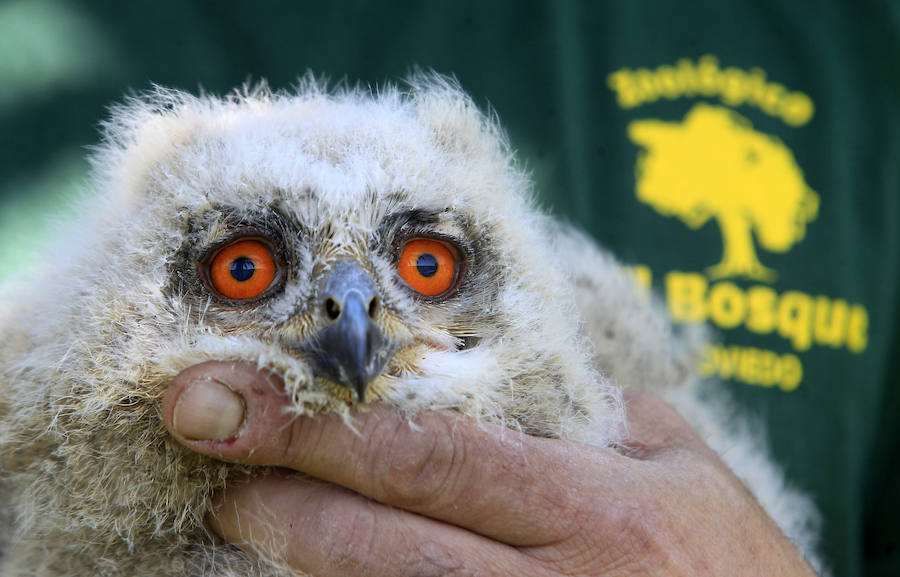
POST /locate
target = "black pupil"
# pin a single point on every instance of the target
(427, 265)
(242, 268)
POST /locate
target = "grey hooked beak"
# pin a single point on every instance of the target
(351, 350)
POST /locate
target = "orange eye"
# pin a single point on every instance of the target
(243, 270)
(428, 266)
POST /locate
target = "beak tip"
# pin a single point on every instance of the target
(360, 388)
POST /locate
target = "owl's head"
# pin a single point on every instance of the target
(365, 246)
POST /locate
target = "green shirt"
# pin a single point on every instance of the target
(742, 156)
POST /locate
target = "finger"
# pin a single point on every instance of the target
(510, 487)
(322, 529)
(655, 427)
(517, 489)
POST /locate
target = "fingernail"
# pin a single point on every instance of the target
(207, 410)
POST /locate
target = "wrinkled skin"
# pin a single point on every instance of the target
(450, 496)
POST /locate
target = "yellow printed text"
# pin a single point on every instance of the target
(703, 78)
(803, 319)
(752, 366)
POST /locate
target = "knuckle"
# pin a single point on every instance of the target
(416, 468)
(358, 542)
(297, 441)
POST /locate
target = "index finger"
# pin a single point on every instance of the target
(517, 489)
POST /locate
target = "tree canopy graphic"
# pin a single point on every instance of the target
(714, 165)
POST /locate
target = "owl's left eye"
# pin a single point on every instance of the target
(242, 270)
(430, 267)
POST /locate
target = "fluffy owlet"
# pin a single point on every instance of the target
(367, 247)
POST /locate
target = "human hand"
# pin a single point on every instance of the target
(447, 495)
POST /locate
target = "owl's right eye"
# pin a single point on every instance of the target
(242, 270)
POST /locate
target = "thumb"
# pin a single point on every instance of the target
(208, 407)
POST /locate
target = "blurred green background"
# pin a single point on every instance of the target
(62, 62)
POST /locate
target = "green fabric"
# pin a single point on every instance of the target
(778, 122)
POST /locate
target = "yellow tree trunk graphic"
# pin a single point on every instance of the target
(739, 254)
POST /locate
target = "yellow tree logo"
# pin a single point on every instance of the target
(714, 165)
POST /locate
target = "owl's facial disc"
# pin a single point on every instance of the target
(351, 350)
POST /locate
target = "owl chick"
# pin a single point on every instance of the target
(366, 247)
